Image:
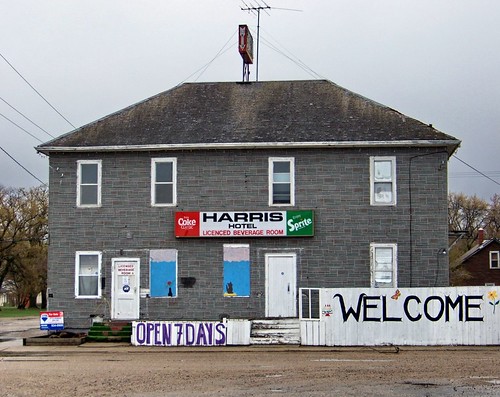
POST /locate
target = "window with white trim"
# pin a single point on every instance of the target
(383, 265)
(88, 183)
(383, 180)
(163, 182)
(494, 259)
(87, 274)
(281, 181)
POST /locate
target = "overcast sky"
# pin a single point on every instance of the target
(434, 60)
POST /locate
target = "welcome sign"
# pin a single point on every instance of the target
(245, 224)
(406, 316)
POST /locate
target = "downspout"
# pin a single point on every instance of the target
(411, 207)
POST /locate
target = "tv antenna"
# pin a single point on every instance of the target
(256, 10)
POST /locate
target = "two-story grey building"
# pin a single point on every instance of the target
(223, 199)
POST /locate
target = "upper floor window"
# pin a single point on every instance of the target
(87, 273)
(383, 180)
(281, 181)
(494, 259)
(163, 181)
(383, 265)
(88, 183)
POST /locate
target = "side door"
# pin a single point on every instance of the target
(125, 288)
(281, 285)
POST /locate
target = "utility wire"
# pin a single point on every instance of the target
(479, 172)
(473, 174)
(292, 58)
(34, 89)
(221, 51)
(22, 166)
(27, 118)
(18, 126)
(205, 67)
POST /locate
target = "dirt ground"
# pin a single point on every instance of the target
(95, 369)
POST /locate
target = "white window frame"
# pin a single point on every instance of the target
(290, 160)
(78, 254)
(495, 254)
(155, 161)
(373, 180)
(394, 247)
(79, 183)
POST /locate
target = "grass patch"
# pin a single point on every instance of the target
(9, 312)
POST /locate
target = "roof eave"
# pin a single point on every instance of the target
(451, 145)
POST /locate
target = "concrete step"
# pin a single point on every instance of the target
(275, 331)
(288, 323)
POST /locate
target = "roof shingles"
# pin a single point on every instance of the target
(262, 112)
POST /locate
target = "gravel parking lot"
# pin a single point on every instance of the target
(121, 370)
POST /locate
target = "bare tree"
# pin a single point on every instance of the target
(492, 222)
(467, 214)
(23, 241)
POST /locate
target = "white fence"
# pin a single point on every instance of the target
(405, 316)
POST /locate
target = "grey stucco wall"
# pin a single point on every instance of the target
(335, 183)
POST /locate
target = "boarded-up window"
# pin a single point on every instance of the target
(236, 270)
(163, 273)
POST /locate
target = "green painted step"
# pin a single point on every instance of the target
(110, 332)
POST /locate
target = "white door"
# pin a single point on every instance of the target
(281, 276)
(125, 288)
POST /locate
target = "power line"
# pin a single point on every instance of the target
(473, 174)
(479, 172)
(22, 166)
(27, 118)
(291, 57)
(18, 126)
(205, 67)
(221, 51)
(34, 89)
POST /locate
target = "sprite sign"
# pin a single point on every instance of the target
(299, 223)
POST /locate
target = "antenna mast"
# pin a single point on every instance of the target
(257, 9)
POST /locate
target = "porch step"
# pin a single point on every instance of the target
(110, 331)
(283, 331)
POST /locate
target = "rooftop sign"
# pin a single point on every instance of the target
(245, 44)
(245, 224)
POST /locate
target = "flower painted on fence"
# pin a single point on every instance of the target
(396, 295)
(492, 296)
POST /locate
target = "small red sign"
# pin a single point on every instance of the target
(245, 44)
(187, 224)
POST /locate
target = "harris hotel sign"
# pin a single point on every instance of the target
(245, 224)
